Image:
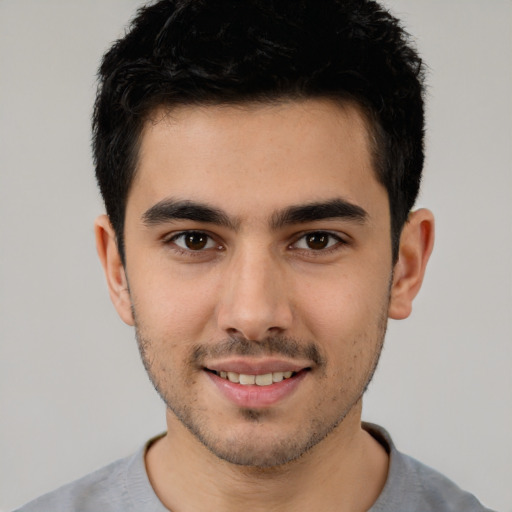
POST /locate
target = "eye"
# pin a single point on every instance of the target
(317, 241)
(193, 241)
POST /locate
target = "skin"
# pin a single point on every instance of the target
(257, 288)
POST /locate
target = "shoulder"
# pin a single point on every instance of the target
(434, 489)
(122, 486)
(103, 489)
(412, 486)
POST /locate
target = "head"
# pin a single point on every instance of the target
(258, 161)
(225, 52)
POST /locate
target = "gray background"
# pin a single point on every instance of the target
(73, 395)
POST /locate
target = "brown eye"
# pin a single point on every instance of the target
(193, 241)
(317, 241)
(196, 241)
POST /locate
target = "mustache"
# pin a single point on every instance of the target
(271, 345)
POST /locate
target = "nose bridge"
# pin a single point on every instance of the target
(254, 301)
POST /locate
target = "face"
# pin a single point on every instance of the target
(258, 263)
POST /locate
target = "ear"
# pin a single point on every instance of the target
(106, 245)
(416, 243)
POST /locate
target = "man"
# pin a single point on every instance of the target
(259, 162)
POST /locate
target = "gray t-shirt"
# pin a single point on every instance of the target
(124, 486)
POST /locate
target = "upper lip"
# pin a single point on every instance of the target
(256, 366)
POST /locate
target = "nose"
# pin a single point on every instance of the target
(254, 302)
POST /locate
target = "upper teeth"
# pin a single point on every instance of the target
(260, 380)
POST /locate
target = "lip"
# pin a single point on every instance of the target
(257, 366)
(254, 396)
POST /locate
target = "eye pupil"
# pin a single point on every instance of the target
(317, 241)
(196, 241)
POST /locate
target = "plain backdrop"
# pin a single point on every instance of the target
(73, 394)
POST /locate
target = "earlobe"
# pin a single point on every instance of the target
(416, 244)
(108, 252)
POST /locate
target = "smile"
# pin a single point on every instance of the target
(256, 388)
(265, 379)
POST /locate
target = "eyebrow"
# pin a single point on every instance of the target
(170, 209)
(334, 209)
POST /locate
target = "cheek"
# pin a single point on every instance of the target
(346, 314)
(171, 305)
(339, 302)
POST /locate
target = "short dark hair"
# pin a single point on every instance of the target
(201, 52)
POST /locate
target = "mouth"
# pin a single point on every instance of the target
(256, 385)
(262, 379)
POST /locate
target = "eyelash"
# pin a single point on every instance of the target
(190, 252)
(331, 247)
(339, 242)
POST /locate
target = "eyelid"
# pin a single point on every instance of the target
(340, 241)
(171, 238)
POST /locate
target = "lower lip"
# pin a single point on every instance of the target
(253, 396)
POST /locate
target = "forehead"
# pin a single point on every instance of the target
(255, 156)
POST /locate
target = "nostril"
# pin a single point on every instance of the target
(241, 336)
(253, 320)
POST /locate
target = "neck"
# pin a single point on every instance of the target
(344, 472)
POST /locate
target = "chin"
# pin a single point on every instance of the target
(256, 444)
(259, 455)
